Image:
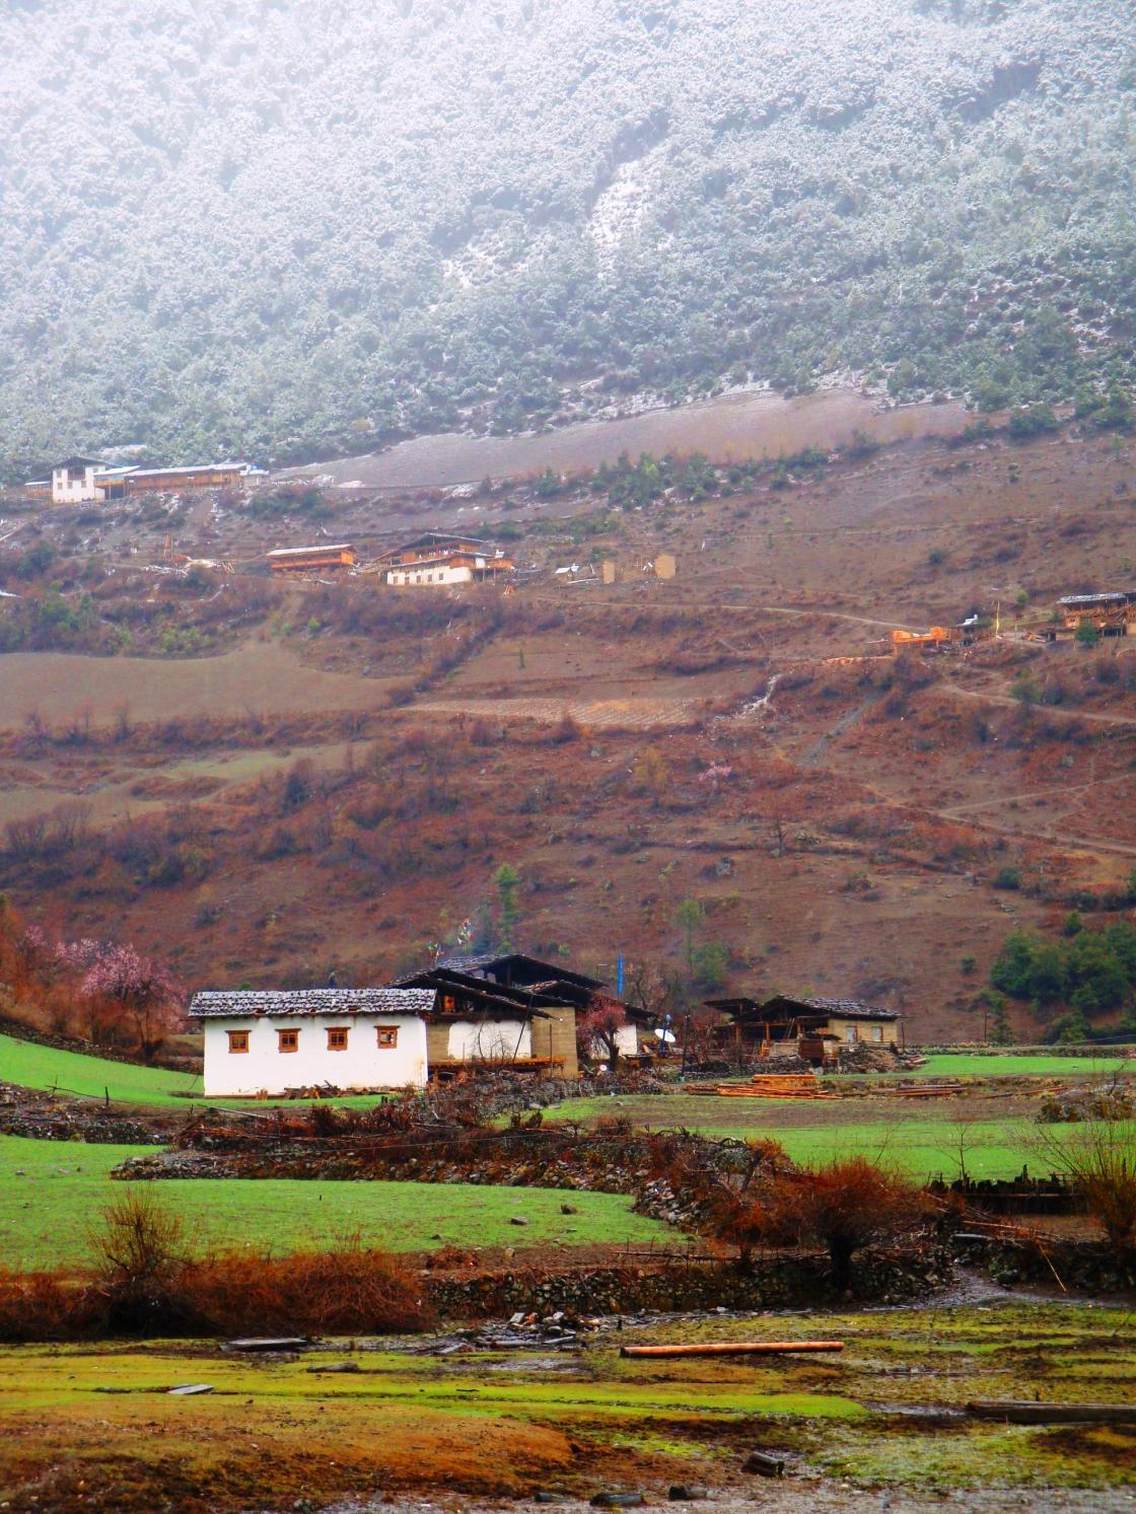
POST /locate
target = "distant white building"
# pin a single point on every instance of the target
(269, 1042)
(449, 568)
(73, 481)
(80, 480)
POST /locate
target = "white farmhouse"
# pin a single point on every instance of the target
(73, 481)
(260, 1042)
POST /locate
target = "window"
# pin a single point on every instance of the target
(337, 1039)
(388, 1037)
(849, 1032)
(238, 1040)
(877, 1032)
(449, 1004)
(289, 1040)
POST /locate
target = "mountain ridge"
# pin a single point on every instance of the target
(257, 227)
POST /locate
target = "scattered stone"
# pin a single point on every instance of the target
(338, 1367)
(517, 1219)
(687, 1493)
(190, 1390)
(617, 1501)
(568, 1209)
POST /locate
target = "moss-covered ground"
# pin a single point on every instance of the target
(94, 1426)
(52, 1194)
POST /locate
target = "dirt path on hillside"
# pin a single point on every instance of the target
(1061, 789)
(1016, 704)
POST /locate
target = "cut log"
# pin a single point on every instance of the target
(269, 1343)
(764, 1464)
(1026, 1412)
(732, 1348)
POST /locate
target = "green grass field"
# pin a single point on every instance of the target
(52, 1193)
(917, 1142)
(46, 1067)
(34, 1066)
(962, 1064)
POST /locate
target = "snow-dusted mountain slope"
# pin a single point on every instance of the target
(269, 225)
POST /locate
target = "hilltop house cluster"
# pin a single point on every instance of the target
(505, 1010)
(434, 560)
(86, 480)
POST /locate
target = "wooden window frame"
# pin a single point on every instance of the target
(387, 1037)
(238, 1042)
(333, 1033)
(287, 1041)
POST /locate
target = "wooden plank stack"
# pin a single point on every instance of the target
(771, 1085)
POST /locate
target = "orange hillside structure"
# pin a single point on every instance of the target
(336, 558)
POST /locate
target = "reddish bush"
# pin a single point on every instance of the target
(843, 1207)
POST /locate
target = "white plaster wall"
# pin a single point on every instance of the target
(264, 1068)
(489, 1040)
(626, 1041)
(69, 488)
(435, 577)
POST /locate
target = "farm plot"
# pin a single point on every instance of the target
(261, 676)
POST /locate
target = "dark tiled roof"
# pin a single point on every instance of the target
(850, 1009)
(517, 1002)
(313, 1001)
(469, 963)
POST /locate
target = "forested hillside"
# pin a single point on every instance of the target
(271, 226)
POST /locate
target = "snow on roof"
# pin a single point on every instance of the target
(1113, 597)
(194, 468)
(218, 1004)
(343, 546)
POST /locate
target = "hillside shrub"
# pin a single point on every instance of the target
(843, 1207)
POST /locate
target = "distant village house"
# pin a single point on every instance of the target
(818, 1027)
(337, 558)
(85, 480)
(438, 559)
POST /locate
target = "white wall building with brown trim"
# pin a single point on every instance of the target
(268, 1042)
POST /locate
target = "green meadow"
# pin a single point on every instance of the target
(53, 1193)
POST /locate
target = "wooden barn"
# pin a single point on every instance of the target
(817, 1027)
(1111, 614)
(336, 558)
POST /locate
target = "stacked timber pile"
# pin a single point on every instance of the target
(768, 1085)
(924, 1090)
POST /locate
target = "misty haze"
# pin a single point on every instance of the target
(567, 694)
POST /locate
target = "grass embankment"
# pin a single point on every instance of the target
(52, 1193)
(47, 1068)
(96, 1425)
(31, 1065)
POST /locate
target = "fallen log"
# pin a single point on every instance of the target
(763, 1463)
(1027, 1412)
(732, 1348)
